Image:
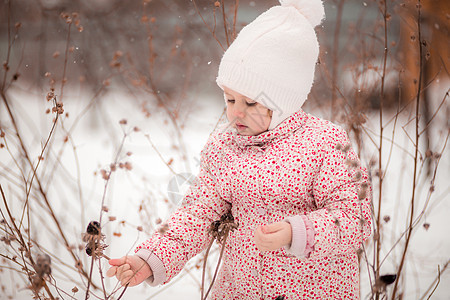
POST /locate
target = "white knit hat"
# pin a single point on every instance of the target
(272, 60)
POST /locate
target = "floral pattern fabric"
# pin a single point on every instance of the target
(305, 166)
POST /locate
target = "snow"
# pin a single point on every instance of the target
(96, 140)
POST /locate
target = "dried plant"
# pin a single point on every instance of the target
(219, 231)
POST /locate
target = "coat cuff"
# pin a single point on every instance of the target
(157, 266)
(302, 236)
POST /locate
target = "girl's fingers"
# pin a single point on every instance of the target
(111, 272)
(271, 228)
(258, 236)
(123, 268)
(117, 261)
(126, 276)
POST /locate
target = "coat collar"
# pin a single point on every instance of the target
(288, 126)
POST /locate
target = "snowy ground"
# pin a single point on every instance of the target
(96, 140)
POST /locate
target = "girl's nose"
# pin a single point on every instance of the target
(239, 110)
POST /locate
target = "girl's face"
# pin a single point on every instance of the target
(246, 115)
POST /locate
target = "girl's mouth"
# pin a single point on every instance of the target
(240, 126)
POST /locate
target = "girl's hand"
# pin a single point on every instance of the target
(273, 236)
(131, 270)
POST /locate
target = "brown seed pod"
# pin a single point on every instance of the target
(43, 265)
(93, 228)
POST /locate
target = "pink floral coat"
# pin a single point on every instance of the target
(305, 166)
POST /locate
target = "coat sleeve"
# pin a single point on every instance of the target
(342, 194)
(185, 233)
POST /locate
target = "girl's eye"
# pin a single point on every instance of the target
(251, 103)
(230, 100)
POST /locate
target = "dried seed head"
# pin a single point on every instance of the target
(50, 95)
(388, 279)
(89, 249)
(105, 174)
(6, 240)
(118, 54)
(219, 229)
(43, 265)
(58, 108)
(115, 64)
(163, 228)
(426, 226)
(79, 265)
(128, 166)
(362, 194)
(378, 173)
(386, 219)
(93, 228)
(37, 283)
(360, 252)
(95, 249)
(75, 290)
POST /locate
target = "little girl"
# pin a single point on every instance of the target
(292, 182)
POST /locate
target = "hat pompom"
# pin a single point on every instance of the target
(312, 10)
